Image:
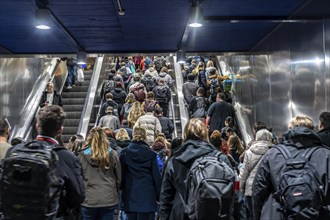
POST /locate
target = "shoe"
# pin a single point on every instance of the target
(74, 85)
(69, 87)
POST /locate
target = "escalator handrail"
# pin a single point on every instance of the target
(31, 107)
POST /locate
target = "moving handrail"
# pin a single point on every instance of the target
(91, 95)
(23, 127)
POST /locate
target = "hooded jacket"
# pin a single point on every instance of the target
(108, 103)
(189, 90)
(325, 136)
(251, 160)
(268, 175)
(151, 70)
(167, 78)
(175, 177)
(151, 124)
(119, 96)
(101, 185)
(141, 178)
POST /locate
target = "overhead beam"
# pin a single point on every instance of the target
(268, 19)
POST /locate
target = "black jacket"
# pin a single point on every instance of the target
(325, 136)
(167, 126)
(57, 100)
(189, 90)
(268, 175)
(119, 96)
(141, 179)
(105, 105)
(70, 171)
(175, 177)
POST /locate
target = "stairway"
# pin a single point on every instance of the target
(73, 105)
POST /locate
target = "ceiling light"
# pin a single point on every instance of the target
(195, 17)
(43, 19)
(181, 56)
(81, 57)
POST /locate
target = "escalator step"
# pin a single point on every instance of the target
(70, 130)
(73, 108)
(75, 101)
(73, 115)
(71, 122)
(74, 95)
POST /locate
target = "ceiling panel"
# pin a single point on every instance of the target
(147, 26)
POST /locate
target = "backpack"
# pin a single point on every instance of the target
(213, 85)
(30, 185)
(150, 83)
(152, 104)
(161, 94)
(201, 105)
(109, 85)
(124, 73)
(210, 189)
(138, 91)
(300, 191)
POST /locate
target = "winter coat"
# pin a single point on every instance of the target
(151, 124)
(325, 136)
(125, 109)
(175, 177)
(152, 72)
(109, 121)
(251, 160)
(168, 94)
(101, 185)
(202, 81)
(123, 144)
(167, 78)
(269, 172)
(167, 126)
(141, 178)
(105, 105)
(57, 99)
(189, 90)
(119, 96)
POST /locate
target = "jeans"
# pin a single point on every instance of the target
(103, 213)
(249, 205)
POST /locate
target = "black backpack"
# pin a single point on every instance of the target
(30, 185)
(124, 73)
(201, 106)
(109, 85)
(210, 189)
(149, 82)
(300, 191)
(161, 94)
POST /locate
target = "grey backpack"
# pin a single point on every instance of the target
(210, 189)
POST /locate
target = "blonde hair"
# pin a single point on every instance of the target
(139, 134)
(130, 98)
(98, 141)
(234, 142)
(209, 64)
(195, 130)
(301, 120)
(122, 135)
(135, 113)
(162, 140)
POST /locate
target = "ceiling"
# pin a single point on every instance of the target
(148, 26)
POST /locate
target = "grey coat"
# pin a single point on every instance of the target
(251, 160)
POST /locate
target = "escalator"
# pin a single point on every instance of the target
(73, 104)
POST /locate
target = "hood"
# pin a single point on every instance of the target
(113, 143)
(140, 152)
(151, 69)
(158, 146)
(87, 153)
(118, 90)
(148, 76)
(193, 149)
(301, 137)
(162, 74)
(260, 147)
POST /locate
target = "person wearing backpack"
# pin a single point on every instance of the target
(126, 108)
(152, 71)
(149, 102)
(177, 201)
(107, 85)
(41, 178)
(149, 82)
(300, 164)
(125, 73)
(198, 105)
(251, 162)
(109, 102)
(163, 95)
(138, 89)
(164, 73)
(102, 176)
(165, 122)
(119, 96)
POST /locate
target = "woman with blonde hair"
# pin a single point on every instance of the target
(236, 147)
(102, 176)
(135, 113)
(141, 178)
(127, 106)
(122, 138)
(196, 144)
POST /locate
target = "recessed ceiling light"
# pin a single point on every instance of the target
(43, 27)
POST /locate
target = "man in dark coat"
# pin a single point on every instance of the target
(218, 112)
(163, 95)
(165, 122)
(324, 127)
(175, 175)
(50, 120)
(189, 88)
(109, 103)
(141, 180)
(50, 96)
(297, 140)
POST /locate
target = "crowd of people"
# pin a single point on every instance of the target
(131, 167)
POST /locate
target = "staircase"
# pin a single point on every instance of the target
(73, 105)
